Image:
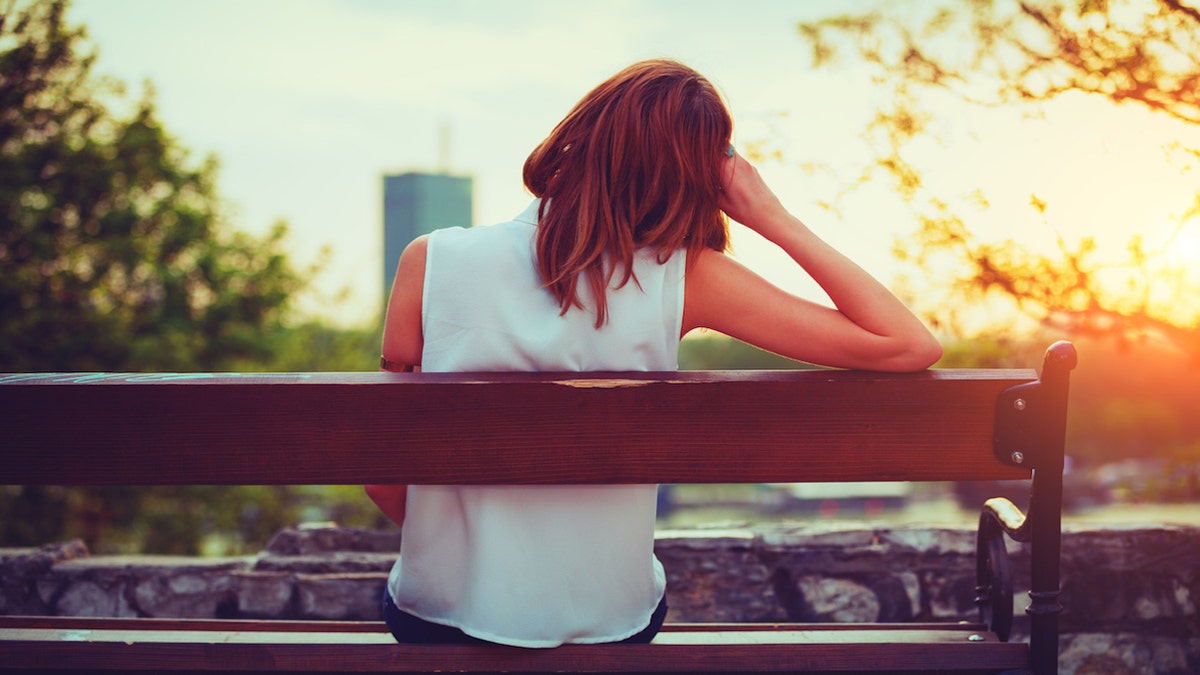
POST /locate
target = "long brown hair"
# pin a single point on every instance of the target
(635, 164)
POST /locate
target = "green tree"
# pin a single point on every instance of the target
(313, 346)
(116, 254)
(115, 249)
(714, 351)
(1011, 53)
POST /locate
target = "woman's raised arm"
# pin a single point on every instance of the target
(868, 327)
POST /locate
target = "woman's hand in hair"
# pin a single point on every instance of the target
(867, 328)
(747, 199)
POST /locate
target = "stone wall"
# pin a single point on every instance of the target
(1131, 594)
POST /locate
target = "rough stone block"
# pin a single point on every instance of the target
(326, 537)
(186, 590)
(932, 541)
(948, 596)
(333, 562)
(95, 598)
(839, 600)
(264, 595)
(717, 578)
(354, 597)
(22, 571)
(1124, 654)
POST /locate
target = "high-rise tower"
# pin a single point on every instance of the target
(419, 203)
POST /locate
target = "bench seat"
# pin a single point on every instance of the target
(313, 647)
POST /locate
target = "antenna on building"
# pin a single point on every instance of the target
(444, 147)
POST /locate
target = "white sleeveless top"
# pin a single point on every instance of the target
(534, 566)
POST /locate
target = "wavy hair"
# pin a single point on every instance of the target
(634, 165)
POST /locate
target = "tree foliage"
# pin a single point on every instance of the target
(1006, 52)
(116, 252)
(1133, 315)
(117, 255)
(1142, 51)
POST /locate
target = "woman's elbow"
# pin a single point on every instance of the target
(931, 353)
(921, 354)
(907, 354)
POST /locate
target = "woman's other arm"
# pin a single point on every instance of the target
(868, 327)
(401, 349)
(402, 336)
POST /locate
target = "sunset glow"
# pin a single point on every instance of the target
(315, 128)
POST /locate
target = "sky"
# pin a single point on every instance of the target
(308, 103)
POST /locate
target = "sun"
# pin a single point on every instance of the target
(1173, 276)
(1184, 246)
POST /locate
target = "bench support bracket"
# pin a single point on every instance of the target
(1030, 432)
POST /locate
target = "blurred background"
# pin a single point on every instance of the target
(222, 186)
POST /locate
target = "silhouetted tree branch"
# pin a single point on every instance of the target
(1005, 53)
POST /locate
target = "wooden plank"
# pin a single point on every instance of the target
(858, 634)
(166, 623)
(329, 626)
(967, 627)
(845, 650)
(350, 428)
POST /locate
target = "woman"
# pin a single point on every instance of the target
(620, 256)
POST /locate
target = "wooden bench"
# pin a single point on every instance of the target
(553, 428)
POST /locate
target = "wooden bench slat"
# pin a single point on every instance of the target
(746, 634)
(330, 626)
(840, 650)
(166, 623)
(803, 426)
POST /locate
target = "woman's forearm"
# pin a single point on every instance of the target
(885, 333)
(855, 293)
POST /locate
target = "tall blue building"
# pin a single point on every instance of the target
(416, 204)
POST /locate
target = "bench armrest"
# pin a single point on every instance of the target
(1033, 434)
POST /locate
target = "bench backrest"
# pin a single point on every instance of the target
(545, 428)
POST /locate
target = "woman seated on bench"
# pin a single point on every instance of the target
(621, 254)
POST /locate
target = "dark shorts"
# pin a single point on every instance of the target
(409, 629)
